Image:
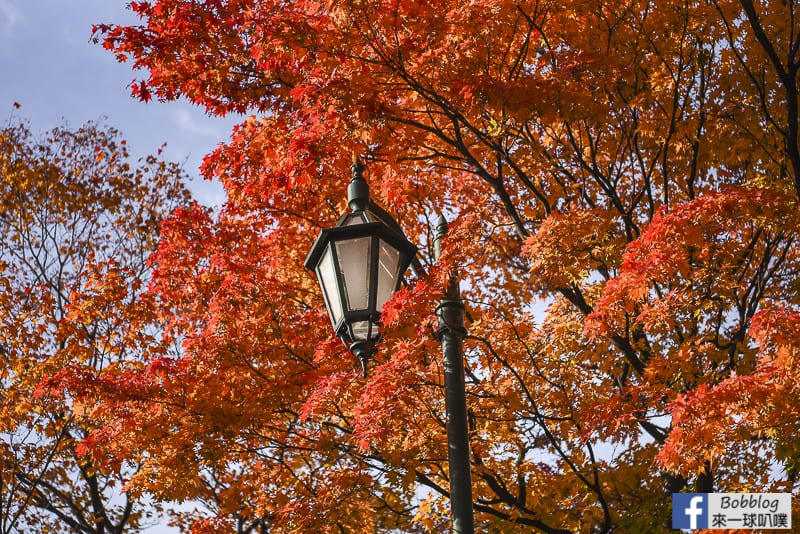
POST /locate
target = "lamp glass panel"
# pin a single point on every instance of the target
(327, 278)
(362, 331)
(355, 218)
(354, 265)
(388, 273)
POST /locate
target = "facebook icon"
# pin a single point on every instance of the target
(689, 510)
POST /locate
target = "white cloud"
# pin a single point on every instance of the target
(10, 17)
(193, 122)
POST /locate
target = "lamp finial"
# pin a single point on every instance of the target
(358, 189)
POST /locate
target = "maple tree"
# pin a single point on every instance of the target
(623, 180)
(79, 221)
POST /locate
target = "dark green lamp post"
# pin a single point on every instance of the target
(359, 264)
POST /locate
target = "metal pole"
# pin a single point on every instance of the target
(451, 334)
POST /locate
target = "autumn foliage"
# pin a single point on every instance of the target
(79, 220)
(622, 180)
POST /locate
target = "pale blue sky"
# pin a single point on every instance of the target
(50, 67)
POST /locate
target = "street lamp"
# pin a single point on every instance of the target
(360, 264)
